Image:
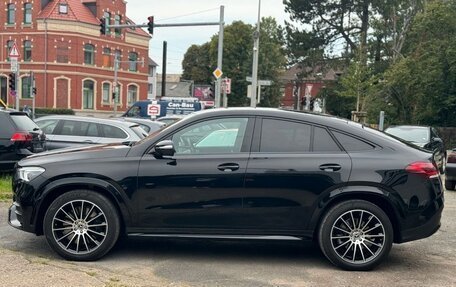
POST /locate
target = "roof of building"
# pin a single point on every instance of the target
(180, 89)
(152, 63)
(77, 11)
(319, 73)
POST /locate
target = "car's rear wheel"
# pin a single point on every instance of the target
(356, 235)
(81, 225)
(450, 184)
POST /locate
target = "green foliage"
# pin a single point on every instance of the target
(237, 60)
(49, 111)
(421, 87)
(5, 188)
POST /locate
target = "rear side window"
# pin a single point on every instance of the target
(113, 132)
(352, 144)
(24, 123)
(323, 142)
(139, 131)
(48, 126)
(284, 136)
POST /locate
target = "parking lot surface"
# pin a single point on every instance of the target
(26, 260)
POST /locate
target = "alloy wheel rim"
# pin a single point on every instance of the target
(79, 227)
(357, 236)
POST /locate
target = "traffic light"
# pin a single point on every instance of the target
(150, 25)
(312, 104)
(34, 91)
(103, 26)
(12, 81)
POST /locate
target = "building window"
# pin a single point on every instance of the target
(9, 46)
(107, 17)
(89, 54)
(118, 56)
(151, 88)
(62, 53)
(28, 13)
(11, 14)
(118, 31)
(132, 95)
(27, 51)
(63, 8)
(133, 58)
(88, 95)
(106, 57)
(25, 91)
(106, 92)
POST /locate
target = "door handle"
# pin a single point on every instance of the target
(330, 167)
(228, 167)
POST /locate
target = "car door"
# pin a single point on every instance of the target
(48, 126)
(202, 185)
(291, 164)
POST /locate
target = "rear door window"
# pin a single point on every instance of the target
(24, 123)
(351, 143)
(278, 136)
(109, 131)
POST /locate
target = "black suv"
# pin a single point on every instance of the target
(19, 137)
(236, 173)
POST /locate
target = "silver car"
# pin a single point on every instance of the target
(72, 131)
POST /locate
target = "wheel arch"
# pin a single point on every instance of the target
(370, 194)
(56, 188)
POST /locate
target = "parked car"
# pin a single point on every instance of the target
(424, 137)
(274, 175)
(450, 171)
(147, 125)
(166, 106)
(169, 120)
(72, 131)
(19, 137)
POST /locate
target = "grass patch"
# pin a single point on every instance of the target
(5, 188)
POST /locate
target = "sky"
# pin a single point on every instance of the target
(180, 11)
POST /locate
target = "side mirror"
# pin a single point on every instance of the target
(164, 149)
(437, 140)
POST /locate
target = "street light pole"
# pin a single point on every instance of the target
(116, 84)
(218, 87)
(256, 51)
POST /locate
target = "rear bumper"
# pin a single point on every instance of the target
(431, 217)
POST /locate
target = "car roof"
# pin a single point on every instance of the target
(409, 126)
(88, 119)
(139, 120)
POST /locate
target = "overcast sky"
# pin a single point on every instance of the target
(178, 11)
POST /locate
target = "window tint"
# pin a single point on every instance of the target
(214, 136)
(78, 128)
(113, 132)
(284, 136)
(352, 144)
(89, 129)
(48, 126)
(23, 123)
(323, 141)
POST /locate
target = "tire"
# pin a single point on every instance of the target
(81, 236)
(366, 220)
(449, 184)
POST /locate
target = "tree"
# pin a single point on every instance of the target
(237, 60)
(197, 64)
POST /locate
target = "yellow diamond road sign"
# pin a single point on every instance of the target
(217, 73)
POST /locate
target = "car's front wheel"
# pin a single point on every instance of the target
(356, 235)
(81, 225)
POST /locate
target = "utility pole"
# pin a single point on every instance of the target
(116, 84)
(165, 48)
(256, 51)
(32, 94)
(218, 88)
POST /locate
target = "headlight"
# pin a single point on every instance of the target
(30, 172)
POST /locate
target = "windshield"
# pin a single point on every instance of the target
(410, 134)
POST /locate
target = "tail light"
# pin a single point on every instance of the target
(452, 157)
(21, 137)
(422, 167)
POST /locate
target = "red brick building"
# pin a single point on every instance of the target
(73, 64)
(314, 82)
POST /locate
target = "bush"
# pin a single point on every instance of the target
(47, 111)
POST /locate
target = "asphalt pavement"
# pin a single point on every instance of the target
(26, 260)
